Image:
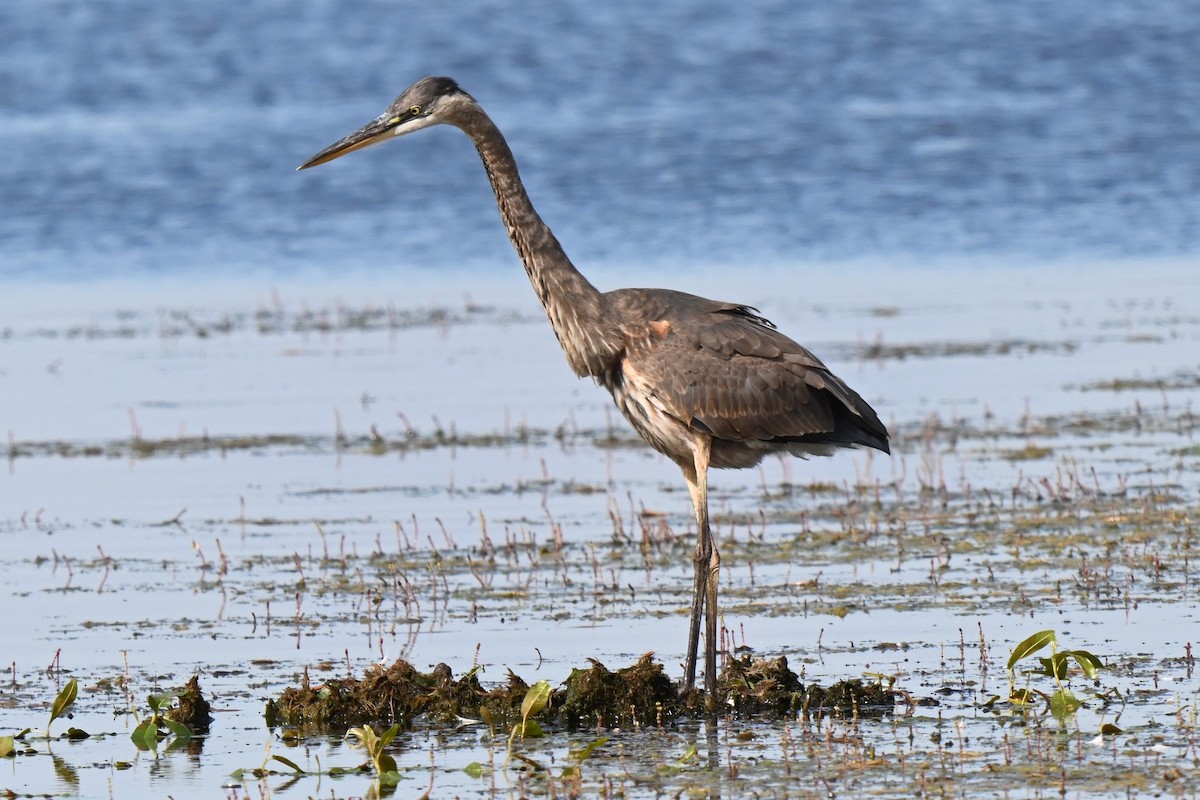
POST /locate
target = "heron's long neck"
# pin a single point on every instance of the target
(573, 305)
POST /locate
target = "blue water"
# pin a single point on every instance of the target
(143, 138)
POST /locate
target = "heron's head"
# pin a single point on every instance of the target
(429, 101)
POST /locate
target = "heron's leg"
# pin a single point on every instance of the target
(713, 573)
(696, 475)
(698, 593)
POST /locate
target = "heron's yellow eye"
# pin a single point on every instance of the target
(414, 110)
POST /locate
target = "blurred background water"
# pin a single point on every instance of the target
(144, 139)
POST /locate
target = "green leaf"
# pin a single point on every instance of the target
(385, 764)
(145, 735)
(535, 699)
(1055, 666)
(1022, 697)
(1087, 662)
(65, 699)
(287, 762)
(1031, 645)
(366, 735)
(160, 702)
(390, 778)
(1063, 703)
(77, 734)
(1108, 729)
(991, 702)
(474, 769)
(531, 729)
(388, 735)
(182, 732)
(7, 745)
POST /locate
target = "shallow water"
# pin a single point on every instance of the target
(274, 512)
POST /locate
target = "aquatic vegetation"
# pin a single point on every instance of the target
(177, 715)
(1061, 702)
(375, 745)
(63, 702)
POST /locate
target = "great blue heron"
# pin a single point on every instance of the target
(706, 383)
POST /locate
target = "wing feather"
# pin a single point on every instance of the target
(725, 370)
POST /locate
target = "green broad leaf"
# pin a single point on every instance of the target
(530, 729)
(7, 745)
(1022, 697)
(388, 735)
(161, 702)
(385, 764)
(1031, 645)
(287, 762)
(390, 778)
(122, 765)
(1063, 704)
(1108, 729)
(182, 732)
(77, 734)
(474, 769)
(65, 699)
(145, 735)
(366, 735)
(1087, 662)
(1055, 666)
(991, 702)
(571, 773)
(535, 699)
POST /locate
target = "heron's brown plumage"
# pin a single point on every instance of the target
(704, 382)
(722, 370)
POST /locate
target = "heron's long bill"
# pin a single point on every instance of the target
(372, 133)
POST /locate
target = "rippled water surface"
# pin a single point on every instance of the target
(150, 138)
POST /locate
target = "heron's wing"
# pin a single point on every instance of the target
(726, 370)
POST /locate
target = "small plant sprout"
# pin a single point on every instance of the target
(536, 699)
(385, 766)
(1062, 702)
(65, 699)
(158, 726)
